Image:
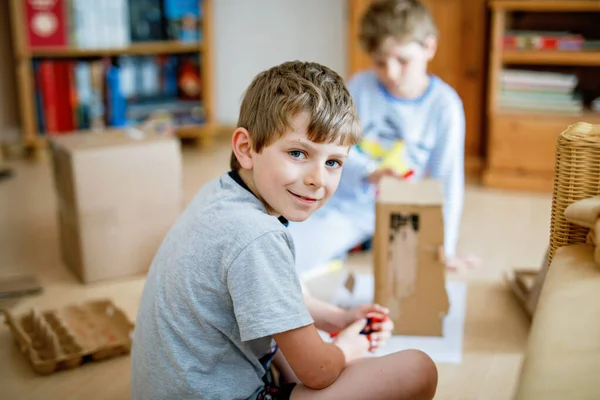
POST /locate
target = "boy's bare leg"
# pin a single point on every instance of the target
(408, 374)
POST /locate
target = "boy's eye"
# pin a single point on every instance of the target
(296, 154)
(333, 163)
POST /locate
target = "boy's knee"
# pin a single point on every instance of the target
(426, 374)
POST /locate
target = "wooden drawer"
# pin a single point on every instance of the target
(527, 142)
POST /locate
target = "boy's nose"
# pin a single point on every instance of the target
(392, 70)
(315, 177)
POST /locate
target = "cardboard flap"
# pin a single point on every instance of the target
(424, 193)
(105, 139)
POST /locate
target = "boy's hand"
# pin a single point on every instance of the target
(461, 262)
(364, 311)
(379, 173)
(381, 332)
(352, 343)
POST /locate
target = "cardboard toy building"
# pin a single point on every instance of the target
(64, 338)
(119, 192)
(409, 275)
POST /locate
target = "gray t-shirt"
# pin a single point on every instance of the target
(222, 282)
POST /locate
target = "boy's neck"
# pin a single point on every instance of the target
(416, 90)
(246, 176)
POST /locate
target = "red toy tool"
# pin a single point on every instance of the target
(367, 329)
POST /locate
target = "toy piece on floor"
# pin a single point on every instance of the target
(19, 285)
(393, 158)
(5, 173)
(526, 285)
(62, 339)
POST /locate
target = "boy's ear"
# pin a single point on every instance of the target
(242, 147)
(430, 43)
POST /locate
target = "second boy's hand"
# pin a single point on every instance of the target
(379, 173)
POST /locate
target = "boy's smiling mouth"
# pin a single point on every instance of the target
(304, 199)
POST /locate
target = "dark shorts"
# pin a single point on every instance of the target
(274, 389)
(272, 392)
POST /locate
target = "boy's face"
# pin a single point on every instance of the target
(400, 65)
(294, 176)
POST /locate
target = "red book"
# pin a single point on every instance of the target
(63, 89)
(47, 23)
(49, 96)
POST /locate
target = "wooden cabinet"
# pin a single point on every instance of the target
(460, 60)
(521, 146)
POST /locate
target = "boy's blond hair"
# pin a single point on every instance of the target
(403, 20)
(279, 93)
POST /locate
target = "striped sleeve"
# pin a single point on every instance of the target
(447, 164)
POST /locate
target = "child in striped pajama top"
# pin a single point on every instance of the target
(397, 101)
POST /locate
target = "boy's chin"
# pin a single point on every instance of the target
(297, 216)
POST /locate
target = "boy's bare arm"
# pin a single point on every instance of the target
(327, 317)
(316, 364)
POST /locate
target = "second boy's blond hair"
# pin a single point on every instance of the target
(280, 93)
(403, 20)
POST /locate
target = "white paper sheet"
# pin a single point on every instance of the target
(446, 349)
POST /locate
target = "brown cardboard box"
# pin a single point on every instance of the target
(409, 276)
(118, 193)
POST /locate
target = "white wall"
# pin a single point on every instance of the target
(253, 35)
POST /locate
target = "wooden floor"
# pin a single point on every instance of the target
(505, 229)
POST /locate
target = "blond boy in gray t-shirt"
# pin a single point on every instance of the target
(222, 299)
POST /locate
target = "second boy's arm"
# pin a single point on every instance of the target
(447, 164)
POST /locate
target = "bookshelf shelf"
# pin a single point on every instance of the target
(549, 57)
(148, 48)
(564, 118)
(546, 5)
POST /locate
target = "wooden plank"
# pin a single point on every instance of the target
(207, 77)
(495, 63)
(473, 164)
(549, 57)
(158, 47)
(546, 5)
(357, 59)
(473, 68)
(24, 74)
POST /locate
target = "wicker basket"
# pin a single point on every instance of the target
(576, 177)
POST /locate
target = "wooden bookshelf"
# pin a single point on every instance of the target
(549, 57)
(146, 48)
(521, 144)
(25, 78)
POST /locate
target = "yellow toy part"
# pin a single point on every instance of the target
(392, 158)
(373, 148)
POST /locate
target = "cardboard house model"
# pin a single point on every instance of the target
(409, 275)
